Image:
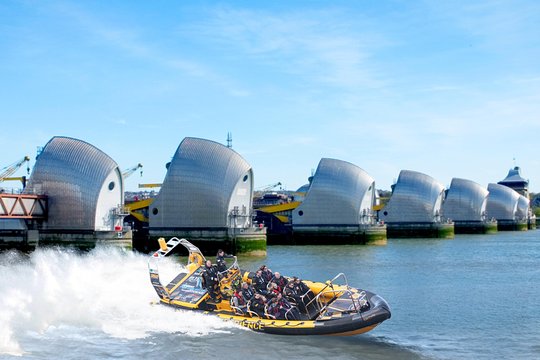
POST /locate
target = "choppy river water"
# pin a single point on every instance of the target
(472, 297)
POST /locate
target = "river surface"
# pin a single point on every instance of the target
(472, 297)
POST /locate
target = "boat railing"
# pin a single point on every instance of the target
(230, 279)
(269, 316)
(250, 312)
(329, 284)
(328, 291)
(289, 315)
(324, 305)
(232, 267)
(239, 310)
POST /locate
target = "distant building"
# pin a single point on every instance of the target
(515, 181)
(414, 209)
(85, 192)
(338, 206)
(271, 198)
(207, 197)
(300, 193)
(465, 205)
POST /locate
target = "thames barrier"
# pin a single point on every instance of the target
(75, 196)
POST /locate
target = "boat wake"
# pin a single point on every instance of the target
(104, 290)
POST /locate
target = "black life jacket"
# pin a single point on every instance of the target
(260, 283)
(210, 275)
(290, 291)
(281, 282)
(267, 275)
(247, 293)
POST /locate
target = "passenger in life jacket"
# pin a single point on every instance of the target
(210, 279)
(273, 308)
(238, 301)
(259, 283)
(280, 281)
(266, 273)
(303, 290)
(273, 290)
(247, 292)
(220, 260)
(286, 310)
(257, 304)
(290, 292)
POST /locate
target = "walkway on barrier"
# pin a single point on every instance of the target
(23, 206)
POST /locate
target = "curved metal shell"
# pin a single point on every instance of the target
(83, 185)
(522, 211)
(340, 194)
(207, 185)
(416, 198)
(465, 201)
(502, 202)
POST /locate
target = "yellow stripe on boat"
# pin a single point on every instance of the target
(260, 324)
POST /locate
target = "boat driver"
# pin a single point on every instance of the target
(220, 260)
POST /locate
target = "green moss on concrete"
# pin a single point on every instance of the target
(491, 228)
(522, 226)
(250, 246)
(446, 231)
(376, 236)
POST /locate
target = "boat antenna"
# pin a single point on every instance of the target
(229, 140)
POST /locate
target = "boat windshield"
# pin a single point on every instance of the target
(191, 289)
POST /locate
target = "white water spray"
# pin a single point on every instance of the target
(105, 290)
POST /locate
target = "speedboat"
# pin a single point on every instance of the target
(327, 308)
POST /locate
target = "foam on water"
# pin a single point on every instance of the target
(107, 290)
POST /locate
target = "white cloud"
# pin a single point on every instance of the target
(131, 41)
(316, 45)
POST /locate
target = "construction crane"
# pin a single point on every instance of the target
(269, 187)
(11, 169)
(128, 172)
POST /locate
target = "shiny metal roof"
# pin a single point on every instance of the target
(76, 176)
(522, 210)
(416, 197)
(465, 201)
(303, 188)
(205, 184)
(501, 202)
(341, 193)
(514, 176)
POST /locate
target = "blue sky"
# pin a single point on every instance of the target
(448, 88)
